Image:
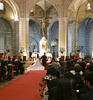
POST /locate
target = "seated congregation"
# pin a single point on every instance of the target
(9, 68)
(70, 80)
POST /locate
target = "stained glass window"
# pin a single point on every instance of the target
(88, 6)
(1, 6)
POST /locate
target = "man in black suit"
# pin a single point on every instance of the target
(44, 59)
(89, 94)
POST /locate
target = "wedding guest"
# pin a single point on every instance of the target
(84, 88)
(21, 68)
(9, 71)
(64, 91)
(89, 94)
(77, 69)
(90, 67)
(3, 70)
(78, 82)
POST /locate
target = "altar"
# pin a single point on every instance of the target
(43, 49)
(34, 56)
(43, 45)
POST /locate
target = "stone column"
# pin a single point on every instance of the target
(27, 37)
(74, 33)
(73, 28)
(22, 28)
(22, 34)
(63, 35)
(16, 38)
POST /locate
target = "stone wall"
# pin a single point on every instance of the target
(85, 37)
(53, 35)
(34, 35)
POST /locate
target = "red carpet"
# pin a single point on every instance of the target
(24, 88)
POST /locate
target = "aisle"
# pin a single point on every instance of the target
(24, 88)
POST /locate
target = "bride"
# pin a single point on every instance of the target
(37, 65)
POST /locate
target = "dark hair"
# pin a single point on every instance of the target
(90, 67)
(64, 90)
(2, 63)
(90, 77)
(77, 68)
(52, 71)
(68, 75)
(85, 75)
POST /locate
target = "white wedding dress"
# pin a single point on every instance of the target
(36, 66)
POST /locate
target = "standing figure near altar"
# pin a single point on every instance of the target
(44, 59)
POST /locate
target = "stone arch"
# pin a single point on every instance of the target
(34, 34)
(54, 35)
(50, 22)
(33, 4)
(14, 7)
(5, 23)
(85, 35)
(50, 25)
(6, 34)
(15, 11)
(5, 17)
(74, 8)
(72, 14)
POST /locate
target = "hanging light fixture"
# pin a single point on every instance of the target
(32, 12)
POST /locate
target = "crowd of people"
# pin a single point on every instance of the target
(72, 79)
(9, 68)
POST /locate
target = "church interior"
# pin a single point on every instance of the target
(68, 23)
(59, 28)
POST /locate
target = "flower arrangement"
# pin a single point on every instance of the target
(42, 88)
(43, 85)
(21, 49)
(78, 48)
(53, 44)
(62, 50)
(34, 43)
(8, 48)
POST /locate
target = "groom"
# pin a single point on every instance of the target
(44, 59)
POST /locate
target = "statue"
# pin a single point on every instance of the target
(43, 46)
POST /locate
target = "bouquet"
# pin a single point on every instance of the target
(62, 50)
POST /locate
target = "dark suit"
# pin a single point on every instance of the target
(44, 58)
(87, 96)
